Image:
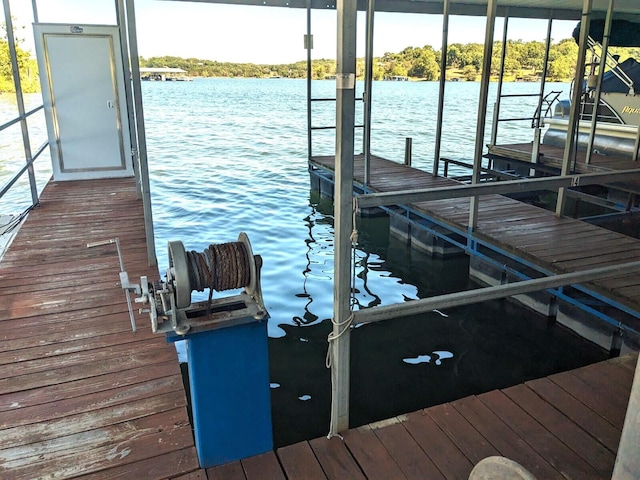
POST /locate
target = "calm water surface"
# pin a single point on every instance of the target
(229, 155)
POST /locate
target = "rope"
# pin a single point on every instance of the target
(345, 325)
(220, 267)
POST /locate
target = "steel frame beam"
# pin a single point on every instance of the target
(345, 115)
(490, 188)
(441, 89)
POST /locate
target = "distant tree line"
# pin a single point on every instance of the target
(524, 60)
(26, 65)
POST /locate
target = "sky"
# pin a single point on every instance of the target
(266, 35)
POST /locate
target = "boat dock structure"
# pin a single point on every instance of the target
(91, 386)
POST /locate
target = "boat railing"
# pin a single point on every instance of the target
(613, 65)
(544, 108)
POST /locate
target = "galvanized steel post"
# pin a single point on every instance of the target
(572, 126)
(503, 56)
(368, 82)
(601, 68)
(142, 139)
(309, 46)
(535, 150)
(443, 79)
(15, 70)
(492, 6)
(345, 113)
(126, 64)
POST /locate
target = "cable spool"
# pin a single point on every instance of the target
(219, 267)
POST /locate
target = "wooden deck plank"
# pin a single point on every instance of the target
(578, 412)
(263, 467)
(508, 442)
(299, 462)
(80, 394)
(229, 471)
(173, 464)
(592, 398)
(335, 459)
(545, 443)
(370, 453)
(100, 449)
(583, 444)
(474, 446)
(451, 462)
(411, 459)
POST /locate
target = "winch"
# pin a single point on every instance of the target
(226, 343)
(219, 267)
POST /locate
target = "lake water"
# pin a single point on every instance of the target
(230, 155)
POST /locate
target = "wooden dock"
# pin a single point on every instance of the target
(82, 396)
(558, 245)
(566, 426)
(80, 393)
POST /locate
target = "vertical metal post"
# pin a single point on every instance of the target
(535, 150)
(492, 6)
(503, 56)
(309, 46)
(142, 138)
(575, 103)
(15, 70)
(345, 113)
(628, 461)
(34, 7)
(124, 51)
(601, 67)
(443, 80)
(407, 150)
(368, 86)
(637, 146)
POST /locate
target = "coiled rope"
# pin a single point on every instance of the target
(220, 267)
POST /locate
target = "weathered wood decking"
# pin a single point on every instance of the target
(83, 396)
(80, 393)
(566, 426)
(533, 234)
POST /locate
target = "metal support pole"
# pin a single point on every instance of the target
(601, 67)
(34, 7)
(492, 6)
(628, 461)
(368, 80)
(142, 138)
(443, 80)
(407, 150)
(535, 151)
(503, 56)
(15, 70)
(126, 64)
(309, 46)
(575, 103)
(345, 112)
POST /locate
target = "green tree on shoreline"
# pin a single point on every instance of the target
(26, 65)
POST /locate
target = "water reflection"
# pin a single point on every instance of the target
(405, 364)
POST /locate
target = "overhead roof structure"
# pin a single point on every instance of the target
(557, 9)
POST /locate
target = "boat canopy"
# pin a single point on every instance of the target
(623, 33)
(612, 82)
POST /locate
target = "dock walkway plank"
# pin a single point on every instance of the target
(552, 432)
(81, 395)
(528, 232)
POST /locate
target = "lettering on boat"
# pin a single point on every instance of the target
(632, 110)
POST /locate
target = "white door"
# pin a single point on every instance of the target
(85, 105)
